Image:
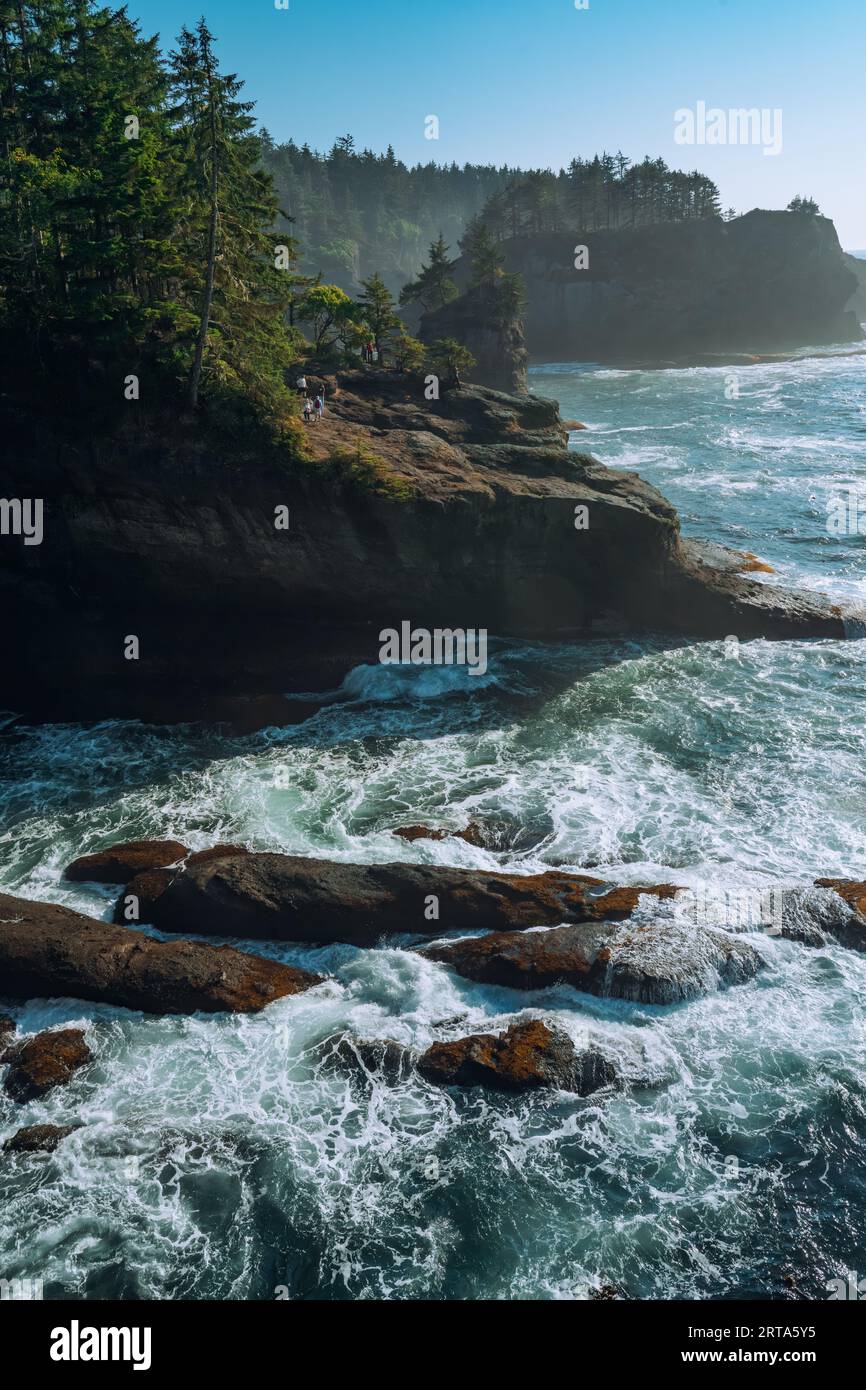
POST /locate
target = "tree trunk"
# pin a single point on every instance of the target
(204, 324)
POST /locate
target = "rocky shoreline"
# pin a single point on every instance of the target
(467, 519)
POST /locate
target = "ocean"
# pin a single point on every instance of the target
(218, 1159)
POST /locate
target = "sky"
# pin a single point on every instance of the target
(534, 83)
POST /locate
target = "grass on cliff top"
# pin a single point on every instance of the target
(357, 466)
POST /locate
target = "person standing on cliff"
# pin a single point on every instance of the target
(319, 407)
(302, 385)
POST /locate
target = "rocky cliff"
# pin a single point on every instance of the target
(764, 282)
(857, 302)
(465, 512)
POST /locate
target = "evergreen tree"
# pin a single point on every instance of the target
(804, 205)
(434, 286)
(486, 261)
(377, 305)
(233, 277)
(449, 357)
(87, 208)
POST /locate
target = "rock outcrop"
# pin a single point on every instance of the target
(662, 294)
(286, 897)
(498, 345)
(51, 952)
(38, 1139)
(661, 962)
(37, 1065)
(527, 1056)
(121, 862)
(465, 518)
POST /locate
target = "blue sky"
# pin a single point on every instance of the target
(534, 82)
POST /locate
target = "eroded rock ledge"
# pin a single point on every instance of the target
(287, 897)
(48, 951)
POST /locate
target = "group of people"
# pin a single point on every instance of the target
(368, 352)
(313, 409)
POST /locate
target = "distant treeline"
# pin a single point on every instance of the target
(358, 212)
(607, 192)
(354, 212)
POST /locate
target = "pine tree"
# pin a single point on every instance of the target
(434, 286)
(486, 261)
(232, 273)
(377, 305)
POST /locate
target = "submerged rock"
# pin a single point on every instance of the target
(660, 963)
(368, 1058)
(39, 1064)
(525, 1057)
(121, 862)
(285, 897)
(837, 915)
(473, 834)
(50, 951)
(38, 1138)
(653, 963)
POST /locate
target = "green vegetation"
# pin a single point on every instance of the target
(377, 310)
(159, 258)
(357, 466)
(606, 193)
(805, 205)
(358, 212)
(433, 288)
(449, 358)
(137, 243)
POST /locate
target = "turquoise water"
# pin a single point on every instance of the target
(216, 1159)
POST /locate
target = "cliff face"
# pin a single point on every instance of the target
(499, 349)
(154, 537)
(857, 302)
(765, 282)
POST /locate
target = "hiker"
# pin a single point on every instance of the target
(308, 411)
(302, 385)
(370, 353)
(319, 407)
